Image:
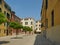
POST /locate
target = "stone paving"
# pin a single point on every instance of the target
(40, 40)
(25, 40)
(21, 40)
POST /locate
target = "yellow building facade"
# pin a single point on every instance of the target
(50, 19)
(5, 8)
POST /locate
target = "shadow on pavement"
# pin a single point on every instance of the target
(17, 38)
(4, 42)
(40, 40)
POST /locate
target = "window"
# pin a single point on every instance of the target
(46, 4)
(36, 28)
(5, 12)
(8, 16)
(7, 24)
(0, 10)
(31, 26)
(36, 25)
(0, 1)
(46, 23)
(10, 31)
(42, 25)
(31, 23)
(52, 16)
(26, 23)
(0, 30)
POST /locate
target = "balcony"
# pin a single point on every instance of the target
(7, 7)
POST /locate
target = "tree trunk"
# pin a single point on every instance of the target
(29, 32)
(25, 32)
(16, 32)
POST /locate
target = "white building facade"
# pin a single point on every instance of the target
(38, 26)
(28, 22)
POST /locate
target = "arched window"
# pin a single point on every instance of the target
(46, 4)
(0, 10)
(8, 16)
(52, 16)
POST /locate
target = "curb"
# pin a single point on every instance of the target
(12, 36)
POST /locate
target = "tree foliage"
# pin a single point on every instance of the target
(3, 18)
(15, 25)
(26, 28)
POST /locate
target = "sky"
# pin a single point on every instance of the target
(26, 8)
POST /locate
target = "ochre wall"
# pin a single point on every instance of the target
(2, 27)
(53, 32)
(53, 5)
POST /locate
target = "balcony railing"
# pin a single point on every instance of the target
(7, 7)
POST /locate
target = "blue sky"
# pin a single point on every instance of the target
(26, 8)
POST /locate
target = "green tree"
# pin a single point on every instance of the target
(3, 18)
(15, 25)
(26, 28)
(29, 29)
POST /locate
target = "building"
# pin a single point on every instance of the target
(6, 9)
(50, 19)
(14, 18)
(28, 22)
(38, 26)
